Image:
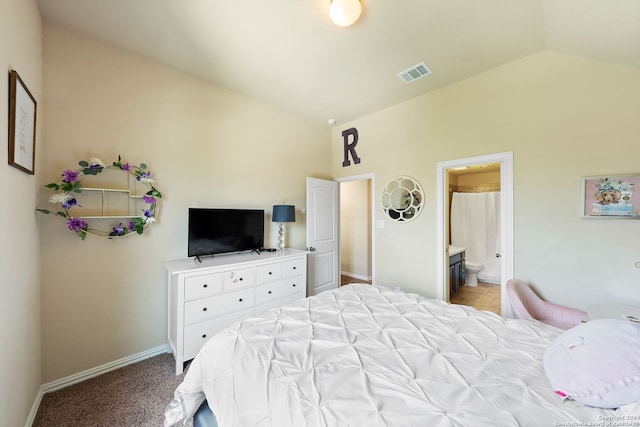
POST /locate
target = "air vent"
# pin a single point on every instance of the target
(414, 73)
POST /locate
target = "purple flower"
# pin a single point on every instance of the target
(126, 167)
(132, 226)
(145, 177)
(70, 176)
(149, 199)
(119, 230)
(76, 224)
(147, 213)
(69, 203)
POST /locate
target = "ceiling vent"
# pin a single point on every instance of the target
(414, 73)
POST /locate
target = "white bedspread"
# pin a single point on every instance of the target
(368, 356)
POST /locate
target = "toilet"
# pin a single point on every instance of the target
(471, 270)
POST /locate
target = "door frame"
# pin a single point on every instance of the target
(506, 222)
(372, 178)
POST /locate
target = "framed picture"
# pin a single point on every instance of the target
(611, 196)
(22, 125)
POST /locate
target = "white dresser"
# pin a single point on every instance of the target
(206, 297)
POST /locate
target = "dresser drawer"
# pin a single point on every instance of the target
(268, 273)
(276, 303)
(293, 267)
(197, 334)
(279, 289)
(241, 278)
(202, 286)
(205, 308)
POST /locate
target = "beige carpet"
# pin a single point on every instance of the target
(133, 396)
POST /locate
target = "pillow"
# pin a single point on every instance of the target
(596, 363)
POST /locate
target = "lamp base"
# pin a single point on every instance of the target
(281, 237)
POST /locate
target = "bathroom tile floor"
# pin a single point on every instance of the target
(485, 296)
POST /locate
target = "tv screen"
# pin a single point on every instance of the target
(217, 231)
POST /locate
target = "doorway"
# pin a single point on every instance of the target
(357, 237)
(474, 218)
(504, 163)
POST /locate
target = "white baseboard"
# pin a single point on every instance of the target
(355, 276)
(91, 373)
(34, 409)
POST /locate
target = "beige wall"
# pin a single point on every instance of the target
(20, 50)
(206, 147)
(563, 117)
(355, 229)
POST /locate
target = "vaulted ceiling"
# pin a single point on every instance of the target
(289, 54)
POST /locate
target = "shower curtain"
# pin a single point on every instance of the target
(475, 225)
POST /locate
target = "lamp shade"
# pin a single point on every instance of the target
(283, 213)
(344, 12)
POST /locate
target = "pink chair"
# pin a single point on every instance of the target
(527, 305)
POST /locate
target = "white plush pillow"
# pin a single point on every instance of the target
(597, 363)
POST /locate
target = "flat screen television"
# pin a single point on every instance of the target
(218, 231)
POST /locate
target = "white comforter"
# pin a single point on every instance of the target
(368, 356)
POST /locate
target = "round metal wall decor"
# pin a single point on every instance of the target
(402, 199)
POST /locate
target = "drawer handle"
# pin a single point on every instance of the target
(205, 285)
(240, 279)
(240, 300)
(294, 285)
(270, 273)
(269, 292)
(204, 335)
(204, 309)
(294, 268)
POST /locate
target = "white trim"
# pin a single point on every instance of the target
(103, 369)
(34, 409)
(372, 177)
(506, 211)
(91, 373)
(361, 177)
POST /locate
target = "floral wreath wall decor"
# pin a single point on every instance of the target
(71, 184)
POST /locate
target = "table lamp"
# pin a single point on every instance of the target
(282, 214)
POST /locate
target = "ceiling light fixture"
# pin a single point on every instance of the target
(345, 12)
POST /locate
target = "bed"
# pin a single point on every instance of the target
(363, 355)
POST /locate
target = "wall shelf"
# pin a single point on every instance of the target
(120, 192)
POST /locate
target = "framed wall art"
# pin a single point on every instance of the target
(22, 125)
(611, 196)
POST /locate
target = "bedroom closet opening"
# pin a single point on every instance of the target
(474, 235)
(356, 234)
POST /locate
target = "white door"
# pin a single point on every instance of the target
(323, 237)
